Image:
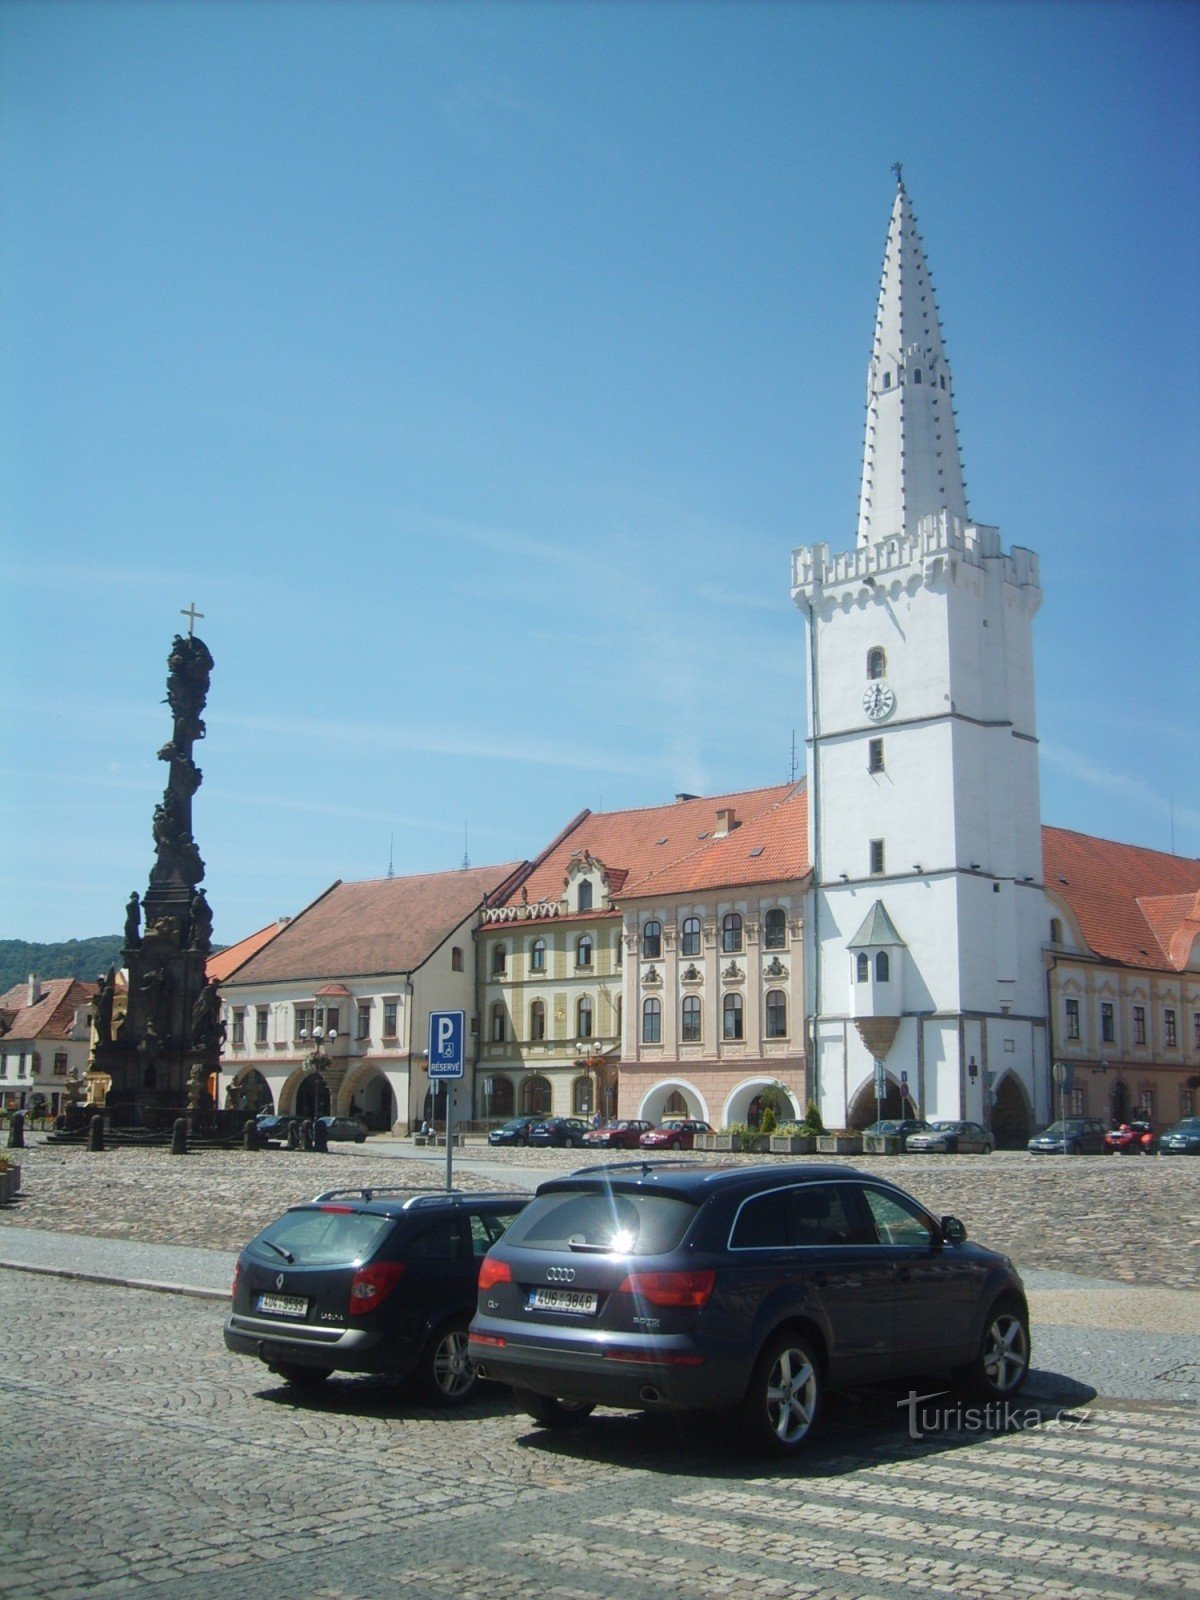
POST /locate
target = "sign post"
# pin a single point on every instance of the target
(1060, 1078)
(447, 1038)
(880, 1089)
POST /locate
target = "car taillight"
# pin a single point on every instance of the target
(670, 1288)
(493, 1271)
(371, 1285)
(237, 1278)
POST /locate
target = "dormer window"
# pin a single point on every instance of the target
(876, 662)
(584, 902)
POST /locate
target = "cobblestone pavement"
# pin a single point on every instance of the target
(140, 1459)
(1129, 1218)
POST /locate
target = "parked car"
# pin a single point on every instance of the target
(622, 1134)
(514, 1131)
(559, 1131)
(748, 1290)
(1131, 1138)
(952, 1138)
(351, 1129)
(273, 1129)
(1181, 1140)
(897, 1127)
(678, 1133)
(1072, 1136)
(368, 1280)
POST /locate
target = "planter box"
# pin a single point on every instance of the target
(751, 1144)
(792, 1144)
(839, 1144)
(10, 1183)
(883, 1144)
(718, 1141)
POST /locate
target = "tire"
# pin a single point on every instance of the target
(675, 1145)
(301, 1377)
(1001, 1363)
(784, 1396)
(987, 1149)
(521, 1141)
(446, 1375)
(548, 1412)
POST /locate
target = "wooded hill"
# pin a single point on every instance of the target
(73, 958)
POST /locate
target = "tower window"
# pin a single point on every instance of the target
(875, 755)
(863, 967)
(876, 856)
(876, 662)
(883, 971)
(887, 380)
(1055, 930)
(916, 375)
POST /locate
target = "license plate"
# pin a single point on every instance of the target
(581, 1301)
(283, 1305)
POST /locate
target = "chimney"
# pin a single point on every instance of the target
(35, 990)
(726, 822)
(681, 797)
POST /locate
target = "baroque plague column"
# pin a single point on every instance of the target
(163, 1054)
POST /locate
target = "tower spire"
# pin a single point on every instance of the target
(912, 467)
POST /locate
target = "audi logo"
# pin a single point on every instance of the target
(560, 1274)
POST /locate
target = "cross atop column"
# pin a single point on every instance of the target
(192, 615)
(898, 169)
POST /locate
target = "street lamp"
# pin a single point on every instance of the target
(316, 1063)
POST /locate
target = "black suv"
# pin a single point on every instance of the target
(670, 1285)
(369, 1280)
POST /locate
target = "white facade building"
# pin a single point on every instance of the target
(924, 819)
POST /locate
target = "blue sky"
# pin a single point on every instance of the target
(476, 368)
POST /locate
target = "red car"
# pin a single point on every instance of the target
(620, 1134)
(678, 1134)
(1131, 1138)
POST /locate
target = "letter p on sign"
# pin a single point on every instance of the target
(447, 1030)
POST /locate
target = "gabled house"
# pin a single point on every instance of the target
(45, 1032)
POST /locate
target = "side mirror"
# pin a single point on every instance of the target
(953, 1231)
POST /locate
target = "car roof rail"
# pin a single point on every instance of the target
(417, 1197)
(648, 1165)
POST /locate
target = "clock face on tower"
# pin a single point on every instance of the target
(878, 701)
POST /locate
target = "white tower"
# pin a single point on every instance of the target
(923, 783)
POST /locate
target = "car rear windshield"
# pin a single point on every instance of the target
(611, 1221)
(317, 1236)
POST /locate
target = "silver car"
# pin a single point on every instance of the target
(952, 1138)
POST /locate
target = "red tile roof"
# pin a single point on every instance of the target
(1134, 906)
(378, 927)
(53, 1014)
(671, 849)
(217, 968)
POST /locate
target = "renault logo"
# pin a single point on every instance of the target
(279, 1280)
(560, 1274)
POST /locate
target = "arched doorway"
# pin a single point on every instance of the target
(251, 1093)
(749, 1100)
(312, 1097)
(865, 1109)
(1011, 1120)
(535, 1097)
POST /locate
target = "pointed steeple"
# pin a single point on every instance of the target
(911, 461)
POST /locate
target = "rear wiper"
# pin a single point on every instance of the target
(586, 1244)
(279, 1250)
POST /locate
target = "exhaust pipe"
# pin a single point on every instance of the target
(649, 1395)
(480, 1370)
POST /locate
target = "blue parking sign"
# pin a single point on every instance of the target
(447, 1032)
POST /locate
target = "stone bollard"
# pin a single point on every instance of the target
(293, 1142)
(96, 1133)
(306, 1136)
(320, 1137)
(179, 1137)
(249, 1134)
(16, 1131)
